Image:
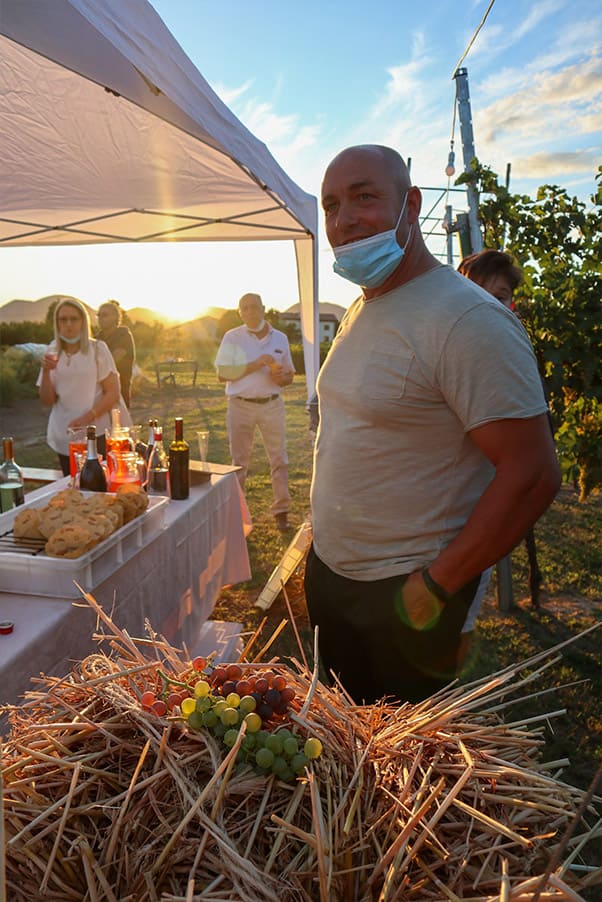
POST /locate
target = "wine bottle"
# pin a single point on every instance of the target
(179, 477)
(92, 477)
(11, 479)
(157, 482)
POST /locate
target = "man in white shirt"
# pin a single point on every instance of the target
(254, 360)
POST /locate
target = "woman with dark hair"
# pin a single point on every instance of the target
(496, 272)
(120, 343)
(78, 380)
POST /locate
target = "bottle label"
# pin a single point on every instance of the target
(11, 495)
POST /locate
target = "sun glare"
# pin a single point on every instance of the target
(180, 281)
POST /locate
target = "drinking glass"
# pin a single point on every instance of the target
(77, 445)
(203, 439)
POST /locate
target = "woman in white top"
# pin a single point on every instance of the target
(78, 380)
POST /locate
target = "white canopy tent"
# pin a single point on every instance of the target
(109, 133)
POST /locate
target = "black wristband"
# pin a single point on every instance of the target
(434, 588)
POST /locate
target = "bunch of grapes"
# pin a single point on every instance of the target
(223, 699)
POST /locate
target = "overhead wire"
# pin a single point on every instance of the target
(473, 38)
(456, 67)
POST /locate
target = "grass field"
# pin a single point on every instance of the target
(570, 551)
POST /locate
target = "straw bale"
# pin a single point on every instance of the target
(438, 800)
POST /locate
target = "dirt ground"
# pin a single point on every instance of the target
(26, 422)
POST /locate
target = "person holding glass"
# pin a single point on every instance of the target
(78, 380)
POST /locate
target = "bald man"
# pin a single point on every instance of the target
(254, 360)
(433, 455)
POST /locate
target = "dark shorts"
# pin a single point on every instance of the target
(364, 640)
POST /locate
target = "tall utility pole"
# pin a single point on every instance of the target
(468, 153)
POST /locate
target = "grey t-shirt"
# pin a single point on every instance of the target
(409, 374)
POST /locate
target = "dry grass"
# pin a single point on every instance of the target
(440, 800)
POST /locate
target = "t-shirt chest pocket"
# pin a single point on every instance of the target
(386, 374)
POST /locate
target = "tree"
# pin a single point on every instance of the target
(556, 240)
(228, 320)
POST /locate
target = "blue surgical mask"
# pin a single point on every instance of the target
(371, 261)
(70, 341)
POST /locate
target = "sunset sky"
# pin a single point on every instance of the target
(309, 79)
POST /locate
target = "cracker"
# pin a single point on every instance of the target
(70, 541)
(27, 524)
(53, 518)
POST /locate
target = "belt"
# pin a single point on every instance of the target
(257, 400)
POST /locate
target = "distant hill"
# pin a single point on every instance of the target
(202, 329)
(32, 311)
(324, 307)
(143, 315)
(19, 311)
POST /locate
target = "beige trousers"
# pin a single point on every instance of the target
(269, 418)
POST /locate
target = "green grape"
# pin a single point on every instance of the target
(188, 706)
(230, 737)
(290, 746)
(261, 737)
(284, 733)
(264, 758)
(220, 706)
(195, 721)
(279, 767)
(274, 743)
(247, 704)
(219, 729)
(298, 763)
(253, 722)
(209, 718)
(233, 699)
(248, 743)
(229, 717)
(203, 704)
(201, 688)
(313, 747)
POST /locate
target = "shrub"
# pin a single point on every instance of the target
(18, 374)
(299, 360)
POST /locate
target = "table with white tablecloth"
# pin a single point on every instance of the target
(172, 582)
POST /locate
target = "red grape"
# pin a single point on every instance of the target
(159, 707)
(218, 676)
(233, 671)
(147, 698)
(243, 687)
(173, 699)
(261, 685)
(287, 694)
(199, 663)
(272, 697)
(264, 711)
(279, 682)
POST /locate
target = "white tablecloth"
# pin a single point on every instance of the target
(173, 582)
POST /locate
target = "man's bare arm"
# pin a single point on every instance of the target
(527, 478)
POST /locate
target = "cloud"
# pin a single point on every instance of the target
(543, 165)
(231, 95)
(537, 14)
(548, 106)
(404, 84)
